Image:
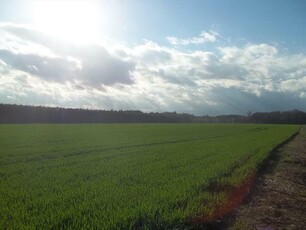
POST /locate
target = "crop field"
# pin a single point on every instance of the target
(119, 176)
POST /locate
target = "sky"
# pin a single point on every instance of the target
(200, 57)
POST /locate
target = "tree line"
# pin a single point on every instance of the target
(11, 113)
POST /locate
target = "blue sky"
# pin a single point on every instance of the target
(272, 21)
(201, 57)
(255, 21)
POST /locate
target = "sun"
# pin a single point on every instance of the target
(76, 21)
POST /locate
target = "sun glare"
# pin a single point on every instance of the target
(77, 21)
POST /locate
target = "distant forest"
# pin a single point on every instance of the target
(39, 114)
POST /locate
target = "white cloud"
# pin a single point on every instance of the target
(148, 76)
(204, 37)
(294, 85)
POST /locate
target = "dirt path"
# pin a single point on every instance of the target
(278, 200)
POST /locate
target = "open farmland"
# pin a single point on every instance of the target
(125, 175)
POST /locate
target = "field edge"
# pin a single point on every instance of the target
(224, 216)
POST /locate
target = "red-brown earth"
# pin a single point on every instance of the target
(274, 197)
(278, 199)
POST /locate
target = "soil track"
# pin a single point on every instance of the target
(278, 199)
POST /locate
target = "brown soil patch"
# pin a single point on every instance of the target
(236, 197)
(278, 199)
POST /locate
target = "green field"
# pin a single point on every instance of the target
(118, 176)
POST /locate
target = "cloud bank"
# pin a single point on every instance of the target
(41, 70)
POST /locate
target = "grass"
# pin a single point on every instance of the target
(115, 176)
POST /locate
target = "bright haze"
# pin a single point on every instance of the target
(199, 57)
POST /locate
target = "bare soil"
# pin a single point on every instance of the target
(278, 198)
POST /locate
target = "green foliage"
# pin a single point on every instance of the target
(111, 176)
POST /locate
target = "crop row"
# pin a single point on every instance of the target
(124, 176)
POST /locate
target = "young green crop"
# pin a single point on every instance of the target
(114, 176)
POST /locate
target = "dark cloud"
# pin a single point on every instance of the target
(47, 68)
(99, 66)
(219, 70)
(235, 101)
